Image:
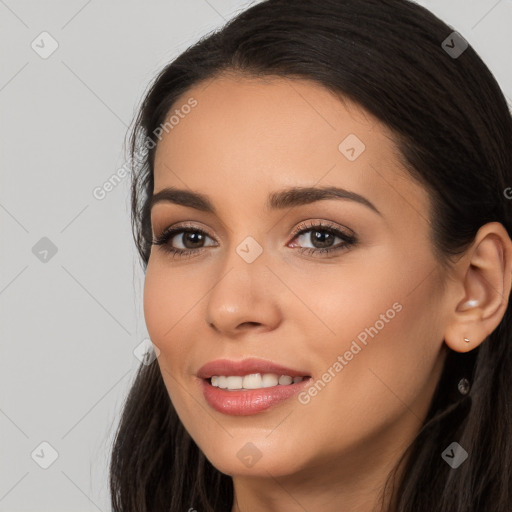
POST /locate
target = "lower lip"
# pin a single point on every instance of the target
(249, 401)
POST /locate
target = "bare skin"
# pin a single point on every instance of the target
(245, 139)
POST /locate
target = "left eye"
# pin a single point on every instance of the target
(322, 237)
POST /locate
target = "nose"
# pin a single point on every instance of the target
(244, 298)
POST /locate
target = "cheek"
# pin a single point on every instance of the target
(386, 324)
(165, 303)
(167, 300)
(171, 312)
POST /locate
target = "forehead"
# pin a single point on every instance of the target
(250, 118)
(251, 134)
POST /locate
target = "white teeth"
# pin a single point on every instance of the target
(252, 381)
(222, 382)
(234, 382)
(285, 379)
(269, 380)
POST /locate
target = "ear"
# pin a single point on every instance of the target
(481, 288)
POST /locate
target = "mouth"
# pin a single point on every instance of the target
(250, 386)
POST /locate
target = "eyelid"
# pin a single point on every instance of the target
(185, 225)
(310, 224)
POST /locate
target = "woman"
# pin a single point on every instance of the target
(319, 202)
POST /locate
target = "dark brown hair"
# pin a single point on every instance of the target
(453, 129)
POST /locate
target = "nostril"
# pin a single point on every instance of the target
(249, 324)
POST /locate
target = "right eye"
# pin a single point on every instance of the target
(188, 235)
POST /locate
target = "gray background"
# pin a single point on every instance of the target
(71, 319)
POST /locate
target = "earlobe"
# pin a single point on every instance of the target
(484, 282)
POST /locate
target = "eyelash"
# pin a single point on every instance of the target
(169, 233)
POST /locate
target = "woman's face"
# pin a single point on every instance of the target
(363, 321)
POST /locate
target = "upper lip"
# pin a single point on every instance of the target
(227, 367)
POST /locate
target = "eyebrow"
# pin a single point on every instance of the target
(288, 198)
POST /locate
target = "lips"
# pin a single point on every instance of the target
(246, 367)
(245, 402)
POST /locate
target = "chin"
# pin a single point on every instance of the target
(251, 459)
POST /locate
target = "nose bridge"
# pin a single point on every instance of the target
(246, 239)
(244, 263)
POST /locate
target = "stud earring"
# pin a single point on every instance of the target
(466, 340)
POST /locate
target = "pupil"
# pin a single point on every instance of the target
(320, 235)
(190, 237)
